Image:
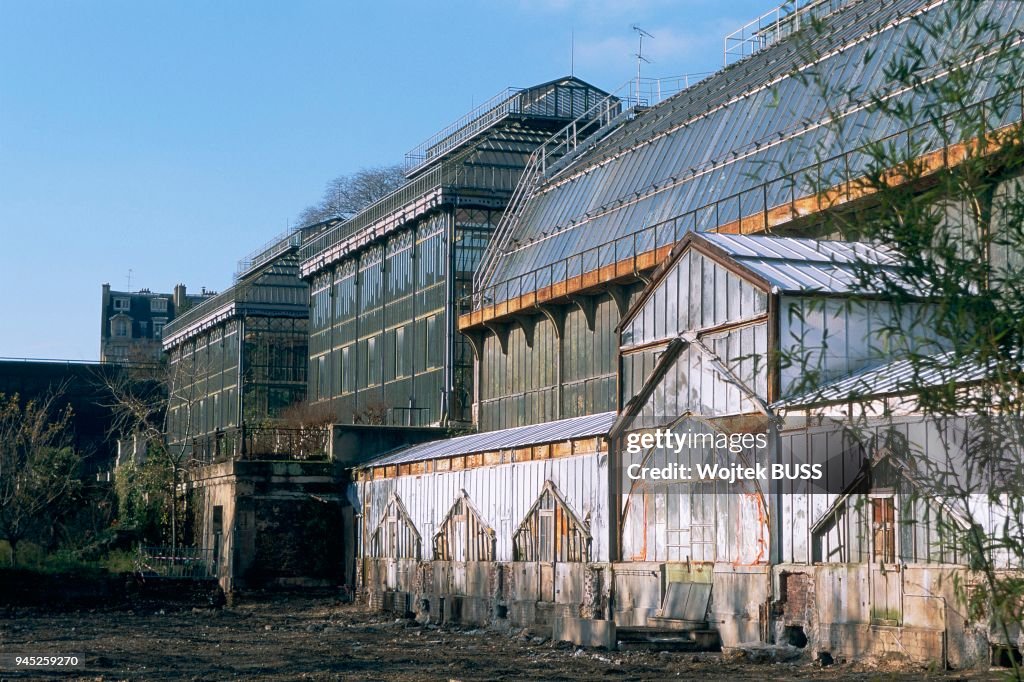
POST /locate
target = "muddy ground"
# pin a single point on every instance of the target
(303, 639)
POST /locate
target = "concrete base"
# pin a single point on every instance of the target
(468, 610)
(592, 633)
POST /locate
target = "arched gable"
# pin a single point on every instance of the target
(551, 531)
(464, 535)
(395, 536)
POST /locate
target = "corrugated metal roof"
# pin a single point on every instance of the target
(893, 378)
(536, 434)
(805, 265)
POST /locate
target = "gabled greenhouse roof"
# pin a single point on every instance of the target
(897, 377)
(805, 265)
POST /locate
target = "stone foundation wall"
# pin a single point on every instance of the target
(519, 594)
(280, 523)
(822, 609)
(831, 605)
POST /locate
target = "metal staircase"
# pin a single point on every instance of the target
(563, 148)
(590, 126)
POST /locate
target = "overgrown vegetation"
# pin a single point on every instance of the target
(36, 558)
(947, 196)
(39, 472)
(150, 483)
(143, 499)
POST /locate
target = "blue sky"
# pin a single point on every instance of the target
(173, 138)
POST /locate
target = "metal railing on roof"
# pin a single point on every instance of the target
(256, 296)
(439, 176)
(263, 443)
(750, 206)
(289, 239)
(553, 155)
(482, 116)
(198, 312)
(553, 100)
(445, 175)
(774, 25)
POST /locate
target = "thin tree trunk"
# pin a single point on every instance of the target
(174, 510)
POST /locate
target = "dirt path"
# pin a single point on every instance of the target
(301, 639)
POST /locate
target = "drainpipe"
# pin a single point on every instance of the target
(450, 321)
(357, 358)
(241, 377)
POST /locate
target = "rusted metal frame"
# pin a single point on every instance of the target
(774, 352)
(396, 503)
(528, 526)
(620, 296)
(841, 194)
(673, 347)
(475, 527)
(694, 339)
(588, 306)
(551, 450)
(501, 333)
(556, 290)
(672, 350)
(528, 323)
(722, 327)
(694, 241)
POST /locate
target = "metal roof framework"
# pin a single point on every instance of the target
(274, 290)
(899, 377)
(488, 136)
(794, 265)
(520, 436)
(729, 136)
(784, 264)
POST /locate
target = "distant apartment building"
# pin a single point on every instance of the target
(132, 322)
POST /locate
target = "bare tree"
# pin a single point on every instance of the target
(155, 405)
(346, 195)
(38, 466)
(374, 413)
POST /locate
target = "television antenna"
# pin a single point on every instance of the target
(640, 58)
(572, 52)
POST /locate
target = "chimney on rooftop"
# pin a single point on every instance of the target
(180, 299)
